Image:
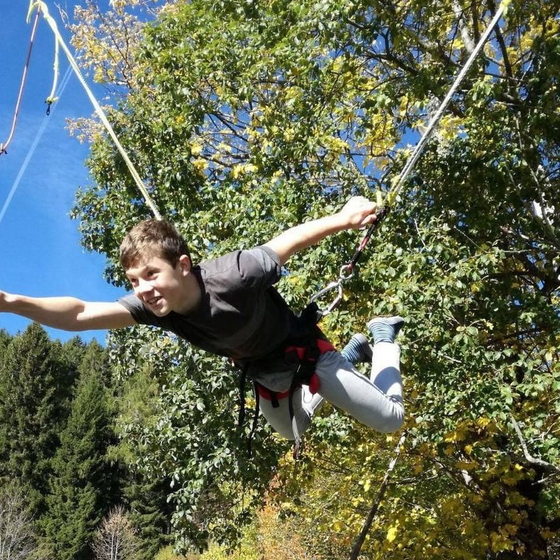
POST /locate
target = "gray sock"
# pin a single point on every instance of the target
(357, 350)
(385, 329)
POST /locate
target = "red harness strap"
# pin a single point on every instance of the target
(314, 384)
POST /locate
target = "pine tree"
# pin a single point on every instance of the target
(82, 477)
(150, 513)
(145, 492)
(5, 339)
(32, 405)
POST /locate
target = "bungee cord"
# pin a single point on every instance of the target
(347, 270)
(42, 7)
(4, 146)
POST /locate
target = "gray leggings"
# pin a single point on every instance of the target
(376, 402)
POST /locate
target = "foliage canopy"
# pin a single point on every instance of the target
(248, 117)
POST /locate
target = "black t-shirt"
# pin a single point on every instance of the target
(241, 315)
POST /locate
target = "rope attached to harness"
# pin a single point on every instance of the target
(41, 6)
(347, 271)
(4, 146)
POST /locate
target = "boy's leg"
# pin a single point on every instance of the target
(305, 404)
(376, 402)
(358, 349)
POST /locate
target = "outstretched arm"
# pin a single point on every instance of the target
(66, 313)
(356, 213)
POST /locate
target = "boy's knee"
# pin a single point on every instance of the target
(394, 422)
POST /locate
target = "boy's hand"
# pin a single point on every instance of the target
(358, 212)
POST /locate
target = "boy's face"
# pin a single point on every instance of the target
(161, 286)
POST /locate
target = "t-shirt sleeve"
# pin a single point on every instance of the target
(136, 308)
(260, 267)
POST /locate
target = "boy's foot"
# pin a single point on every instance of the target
(385, 329)
(358, 349)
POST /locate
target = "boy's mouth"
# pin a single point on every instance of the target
(153, 301)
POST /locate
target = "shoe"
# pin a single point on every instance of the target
(358, 349)
(385, 329)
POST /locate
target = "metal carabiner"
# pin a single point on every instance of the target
(333, 285)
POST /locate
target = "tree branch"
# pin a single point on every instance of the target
(549, 467)
(465, 34)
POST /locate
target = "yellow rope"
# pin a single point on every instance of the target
(52, 96)
(52, 23)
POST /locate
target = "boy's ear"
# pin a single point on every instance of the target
(185, 263)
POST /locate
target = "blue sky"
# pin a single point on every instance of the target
(40, 246)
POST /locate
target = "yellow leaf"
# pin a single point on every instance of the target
(392, 534)
(196, 148)
(200, 164)
(466, 465)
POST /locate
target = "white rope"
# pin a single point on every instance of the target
(347, 270)
(34, 145)
(98, 109)
(399, 181)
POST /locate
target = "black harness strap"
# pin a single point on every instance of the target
(241, 418)
(242, 384)
(305, 353)
(255, 423)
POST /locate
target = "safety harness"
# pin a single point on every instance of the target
(300, 354)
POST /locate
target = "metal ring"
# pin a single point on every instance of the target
(341, 276)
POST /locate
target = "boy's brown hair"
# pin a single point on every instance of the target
(152, 238)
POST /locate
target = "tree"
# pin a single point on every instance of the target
(33, 393)
(82, 486)
(245, 119)
(116, 539)
(181, 428)
(17, 531)
(145, 492)
(150, 512)
(5, 339)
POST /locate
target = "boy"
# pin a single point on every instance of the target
(229, 306)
